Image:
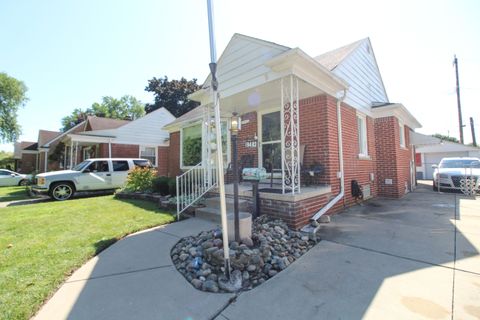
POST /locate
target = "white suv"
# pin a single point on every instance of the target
(90, 175)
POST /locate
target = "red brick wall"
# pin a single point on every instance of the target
(27, 163)
(125, 150)
(163, 161)
(295, 214)
(248, 133)
(174, 155)
(393, 160)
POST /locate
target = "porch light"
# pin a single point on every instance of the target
(235, 124)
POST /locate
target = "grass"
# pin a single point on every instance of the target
(13, 193)
(41, 244)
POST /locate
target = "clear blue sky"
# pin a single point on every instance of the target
(71, 53)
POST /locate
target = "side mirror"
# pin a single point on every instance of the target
(434, 166)
(13, 175)
(86, 171)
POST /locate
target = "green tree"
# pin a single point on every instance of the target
(12, 97)
(172, 95)
(445, 138)
(127, 107)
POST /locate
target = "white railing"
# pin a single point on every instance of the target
(192, 185)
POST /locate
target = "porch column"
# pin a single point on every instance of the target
(46, 161)
(65, 157)
(290, 135)
(71, 154)
(76, 152)
(109, 148)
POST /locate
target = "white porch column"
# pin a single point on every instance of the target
(109, 148)
(71, 154)
(65, 157)
(76, 152)
(290, 135)
(46, 161)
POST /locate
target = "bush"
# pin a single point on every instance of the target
(161, 185)
(165, 186)
(140, 179)
(172, 187)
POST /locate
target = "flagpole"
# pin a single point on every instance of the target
(218, 133)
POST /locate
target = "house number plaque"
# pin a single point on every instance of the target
(250, 144)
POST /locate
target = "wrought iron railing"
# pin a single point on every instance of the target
(193, 184)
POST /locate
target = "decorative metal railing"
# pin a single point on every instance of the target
(193, 184)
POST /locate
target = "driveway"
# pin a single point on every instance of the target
(413, 258)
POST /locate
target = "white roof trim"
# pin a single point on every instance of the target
(64, 133)
(399, 111)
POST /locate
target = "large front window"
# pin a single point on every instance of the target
(271, 142)
(191, 145)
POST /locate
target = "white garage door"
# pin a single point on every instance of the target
(434, 158)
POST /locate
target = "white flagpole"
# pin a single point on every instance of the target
(218, 131)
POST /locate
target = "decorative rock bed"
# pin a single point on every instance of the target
(272, 248)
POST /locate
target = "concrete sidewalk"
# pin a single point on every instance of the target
(135, 279)
(413, 258)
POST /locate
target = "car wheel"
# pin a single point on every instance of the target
(23, 182)
(62, 191)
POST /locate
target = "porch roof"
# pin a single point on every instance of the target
(397, 110)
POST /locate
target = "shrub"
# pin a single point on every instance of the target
(161, 185)
(172, 187)
(140, 179)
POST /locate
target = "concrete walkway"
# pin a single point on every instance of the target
(414, 258)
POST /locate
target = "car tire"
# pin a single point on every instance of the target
(23, 182)
(61, 191)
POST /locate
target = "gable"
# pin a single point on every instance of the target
(244, 58)
(360, 70)
(146, 130)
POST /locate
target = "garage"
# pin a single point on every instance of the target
(434, 158)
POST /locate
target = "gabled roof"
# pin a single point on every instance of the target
(332, 59)
(99, 123)
(26, 145)
(44, 136)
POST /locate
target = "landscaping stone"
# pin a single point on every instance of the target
(271, 249)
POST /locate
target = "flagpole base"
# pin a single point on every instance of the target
(227, 268)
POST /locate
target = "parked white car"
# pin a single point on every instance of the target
(90, 175)
(11, 178)
(457, 174)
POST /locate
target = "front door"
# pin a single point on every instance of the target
(97, 176)
(271, 142)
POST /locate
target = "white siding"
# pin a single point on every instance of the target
(243, 60)
(361, 72)
(146, 130)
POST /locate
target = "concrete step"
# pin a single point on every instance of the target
(214, 202)
(211, 214)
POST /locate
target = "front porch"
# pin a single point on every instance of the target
(295, 209)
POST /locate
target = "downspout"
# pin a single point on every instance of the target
(340, 195)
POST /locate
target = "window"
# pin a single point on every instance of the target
(271, 141)
(402, 134)
(362, 135)
(98, 166)
(191, 145)
(149, 153)
(120, 165)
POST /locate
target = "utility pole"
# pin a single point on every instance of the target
(460, 123)
(472, 127)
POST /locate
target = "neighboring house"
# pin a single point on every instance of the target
(292, 108)
(429, 154)
(25, 155)
(141, 138)
(99, 137)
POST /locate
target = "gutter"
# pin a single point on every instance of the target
(313, 227)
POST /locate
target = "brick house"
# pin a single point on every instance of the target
(98, 137)
(316, 124)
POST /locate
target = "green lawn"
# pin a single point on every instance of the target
(41, 244)
(13, 193)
